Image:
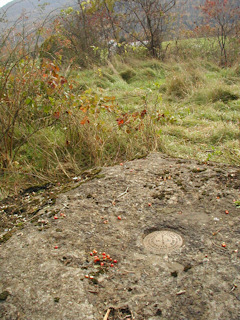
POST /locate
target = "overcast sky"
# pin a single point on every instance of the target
(3, 2)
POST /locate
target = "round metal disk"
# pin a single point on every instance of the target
(162, 241)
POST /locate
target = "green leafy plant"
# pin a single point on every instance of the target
(237, 203)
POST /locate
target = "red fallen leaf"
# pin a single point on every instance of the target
(63, 80)
(83, 109)
(120, 122)
(56, 114)
(52, 84)
(85, 120)
(55, 75)
(143, 113)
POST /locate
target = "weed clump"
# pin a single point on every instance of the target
(236, 70)
(214, 94)
(109, 77)
(177, 86)
(127, 75)
(183, 79)
(155, 65)
(221, 94)
(149, 72)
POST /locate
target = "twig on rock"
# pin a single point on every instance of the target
(123, 194)
(107, 314)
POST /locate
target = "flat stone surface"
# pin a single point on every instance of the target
(162, 241)
(199, 281)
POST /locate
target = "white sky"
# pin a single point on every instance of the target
(3, 2)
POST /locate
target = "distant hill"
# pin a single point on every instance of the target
(35, 10)
(15, 7)
(38, 10)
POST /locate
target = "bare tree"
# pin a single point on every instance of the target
(87, 28)
(222, 18)
(97, 22)
(146, 21)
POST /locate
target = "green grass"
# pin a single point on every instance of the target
(193, 111)
(200, 102)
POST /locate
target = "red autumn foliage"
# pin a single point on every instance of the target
(222, 20)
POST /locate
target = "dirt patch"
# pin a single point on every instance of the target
(89, 257)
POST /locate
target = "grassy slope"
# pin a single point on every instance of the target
(199, 101)
(193, 111)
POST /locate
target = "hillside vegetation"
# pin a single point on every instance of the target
(62, 114)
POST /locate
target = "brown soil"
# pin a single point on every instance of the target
(47, 271)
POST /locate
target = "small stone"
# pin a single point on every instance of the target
(4, 295)
(187, 267)
(180, 292)
(159, 312)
